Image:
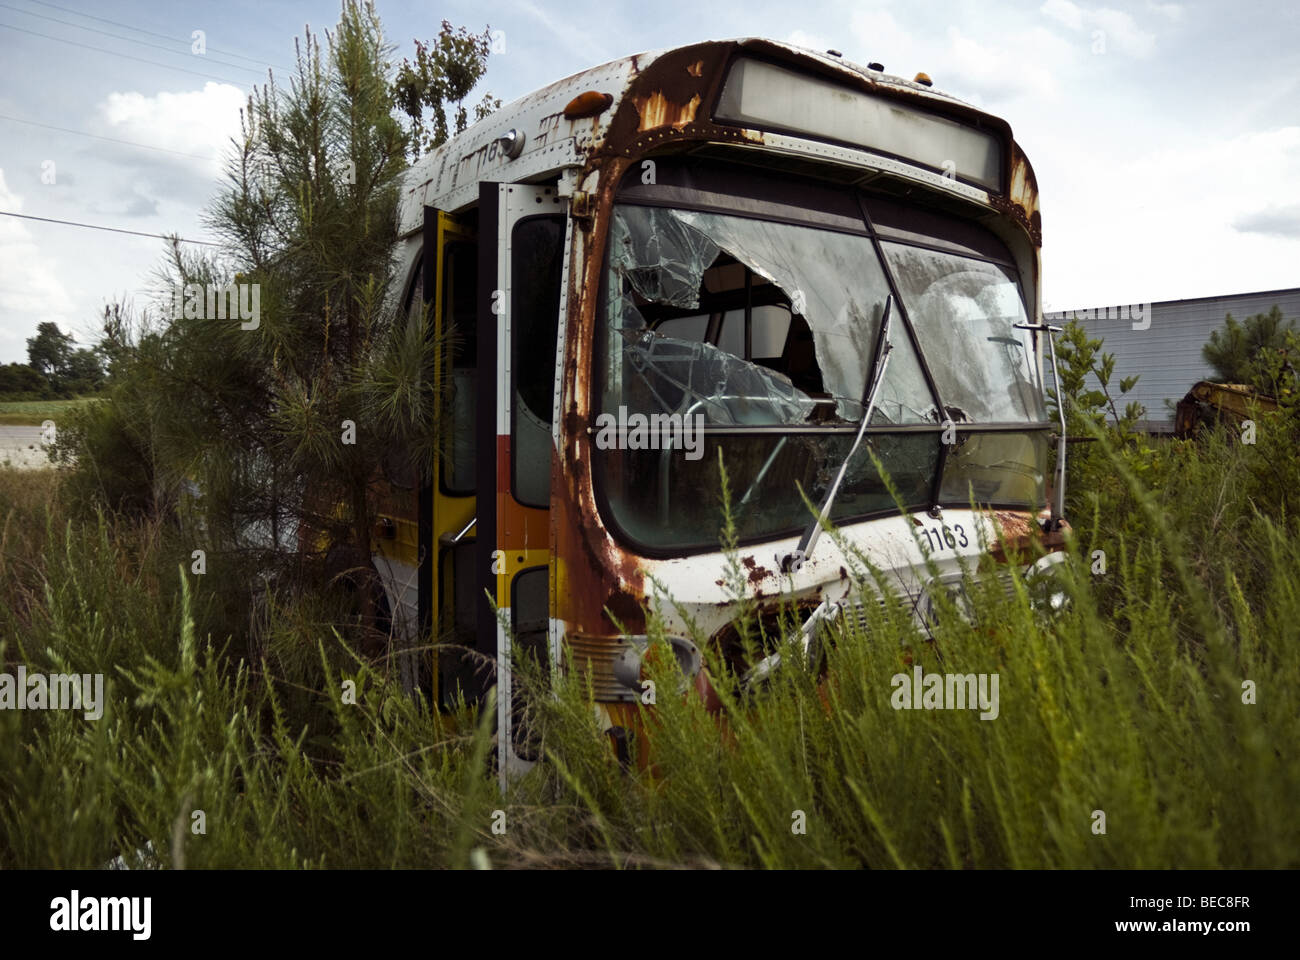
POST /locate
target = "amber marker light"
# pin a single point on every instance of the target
(587, 105)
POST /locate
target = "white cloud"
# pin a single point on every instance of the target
(1277, 221)
(199, 122)
(1065, 12)
(63, 274)
(581, 43)
(1168, 223)
(811, 41)
(880, 38)
(1109, 26)
(1027, 65)
(31, 281)
(1172, 11)
(1121, 29)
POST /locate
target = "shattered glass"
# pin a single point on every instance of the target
(692, 377)
(832, 280)
(679, 285)
(965, 312)
(659, 255)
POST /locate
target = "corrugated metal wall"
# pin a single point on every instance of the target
(1167, 354)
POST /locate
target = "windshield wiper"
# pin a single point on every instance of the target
(792, 562)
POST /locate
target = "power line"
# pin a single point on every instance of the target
(95, 136)
(161, 36)
(118, 36)
(93, 226)
(87, 46)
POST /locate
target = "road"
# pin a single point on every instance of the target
(21, 447)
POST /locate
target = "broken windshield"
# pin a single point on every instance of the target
(676, 276)
(964, 312)
(741, 323)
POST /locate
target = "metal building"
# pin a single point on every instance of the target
(1162, 342)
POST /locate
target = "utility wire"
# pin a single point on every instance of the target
(87, 46)
(118, 36)
(93, 226)
(161, 36)
(95, 136)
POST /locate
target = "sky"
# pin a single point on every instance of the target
(1165, 136)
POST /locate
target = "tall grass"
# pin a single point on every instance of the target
(189, 726)
(1130, 702)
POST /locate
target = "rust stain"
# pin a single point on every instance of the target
(601, 577)
(656, 111)
(1019, 536)
(1013, 524)
(757, 573)
(1021, 201)
(666, 95)
(624, 606)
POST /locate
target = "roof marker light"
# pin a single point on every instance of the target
(587, 105)
(511, 143)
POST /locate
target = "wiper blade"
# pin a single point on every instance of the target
(792, 562)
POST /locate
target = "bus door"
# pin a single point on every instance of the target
(523, 231)
(447, 496)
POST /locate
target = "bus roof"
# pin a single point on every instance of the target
(639, 102)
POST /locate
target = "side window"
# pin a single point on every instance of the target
(537, 259)
(749, 318)
(768, 329)
(460, 322)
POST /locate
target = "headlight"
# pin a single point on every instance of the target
(951, 585)
(1046, 588)
(627, 666)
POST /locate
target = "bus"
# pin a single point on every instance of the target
(741, 247)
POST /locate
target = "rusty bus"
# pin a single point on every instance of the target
(807, 257)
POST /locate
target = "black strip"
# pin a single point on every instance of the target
(922, 244)
(682, 199)
(486, 428)
(428, 569)
(740, 191)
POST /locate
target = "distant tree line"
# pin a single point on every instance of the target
(56, 368)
